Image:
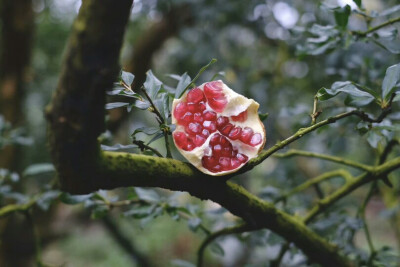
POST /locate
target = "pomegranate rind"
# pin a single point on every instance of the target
(236, 104)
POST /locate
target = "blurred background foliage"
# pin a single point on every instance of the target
(276, 52)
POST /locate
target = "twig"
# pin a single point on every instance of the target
(226, 231)
(155, 110)
(9, 209)
(142, 146)
(294, 152)
(316, 180)
(314, 115)
(387, 23)
(167, 147)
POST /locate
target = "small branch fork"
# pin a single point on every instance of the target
(377, 27)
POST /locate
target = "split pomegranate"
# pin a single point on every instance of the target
(217, 129)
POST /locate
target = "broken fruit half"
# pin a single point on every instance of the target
(217, 129)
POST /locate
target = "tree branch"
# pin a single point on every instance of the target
(294, 152)
(377, 27)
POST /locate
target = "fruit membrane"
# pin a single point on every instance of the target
(217, 129)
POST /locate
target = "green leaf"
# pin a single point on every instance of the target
(116, 105)
(74, 199)
(143, 105)
(99, 211)
(358, 3)
(162, 104)
(36, 169)
(147, 195)
(217, 249)
(152, 85)
(194, 223)
(184, 82)
(47, 198)
(156, 137)
(357, 96)
(117, 147)
(146, 130)
(342, 16)
(389, 11)
(182, 263)
(127, 77)
(390, 81)
(396, 98)
(263, 116)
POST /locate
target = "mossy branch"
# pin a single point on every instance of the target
(12, 208)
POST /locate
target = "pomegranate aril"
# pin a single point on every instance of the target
(193, 128)
(221, 122)
(187, 118)
(209, 115)
(242, 158)
(245, 135)
(190, 146)
(180, 110)
(217, 150)
(213, 89)
(180, 139)
(234, 134)
(225, 142)
(199, 140)
(209, 161)
(235, 163)
(218, 104)
(192, 107)
(224, 162)
(216, 168)
(195, 95)
(226, 151)
(256, 139)
(201, 106)
(227, 129)
(205, 133)
(241, 117)
(210, 125)
(215, 139)
(234, 152)
(197, 117)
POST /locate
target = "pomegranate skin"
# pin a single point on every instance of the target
(217, 130)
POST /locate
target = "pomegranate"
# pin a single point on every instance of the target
(217, 129)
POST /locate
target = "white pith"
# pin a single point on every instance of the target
(236, 105)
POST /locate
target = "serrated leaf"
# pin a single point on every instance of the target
(36, 169)
(152, 85)
(116, 105)
(390, 81)
(117, 147)
(184, 81)
(342, 16)
(147, 194)
(127, 77)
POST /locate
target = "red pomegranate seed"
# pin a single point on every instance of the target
(221, 122)
(227, 151)
(201, 106)
(197, 117)
(205, 133)
(235, 163)
(187, 118)
(241, 157)
(234, 134)
(194, 128)
(225, 142)
(195, 95)
(180, 110)
(241, 117)
(209, 115)
(209, 161)
(217, 150)
(192, 107)
(227, 129)
(180, 139)
(234, 152)
(199, 140)
(218, 104)
(224, 162)
(213, 89)
(245, 135)
(256, 139)
(215, 139)
(210, 125)
(190, 146)
(216, 168)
